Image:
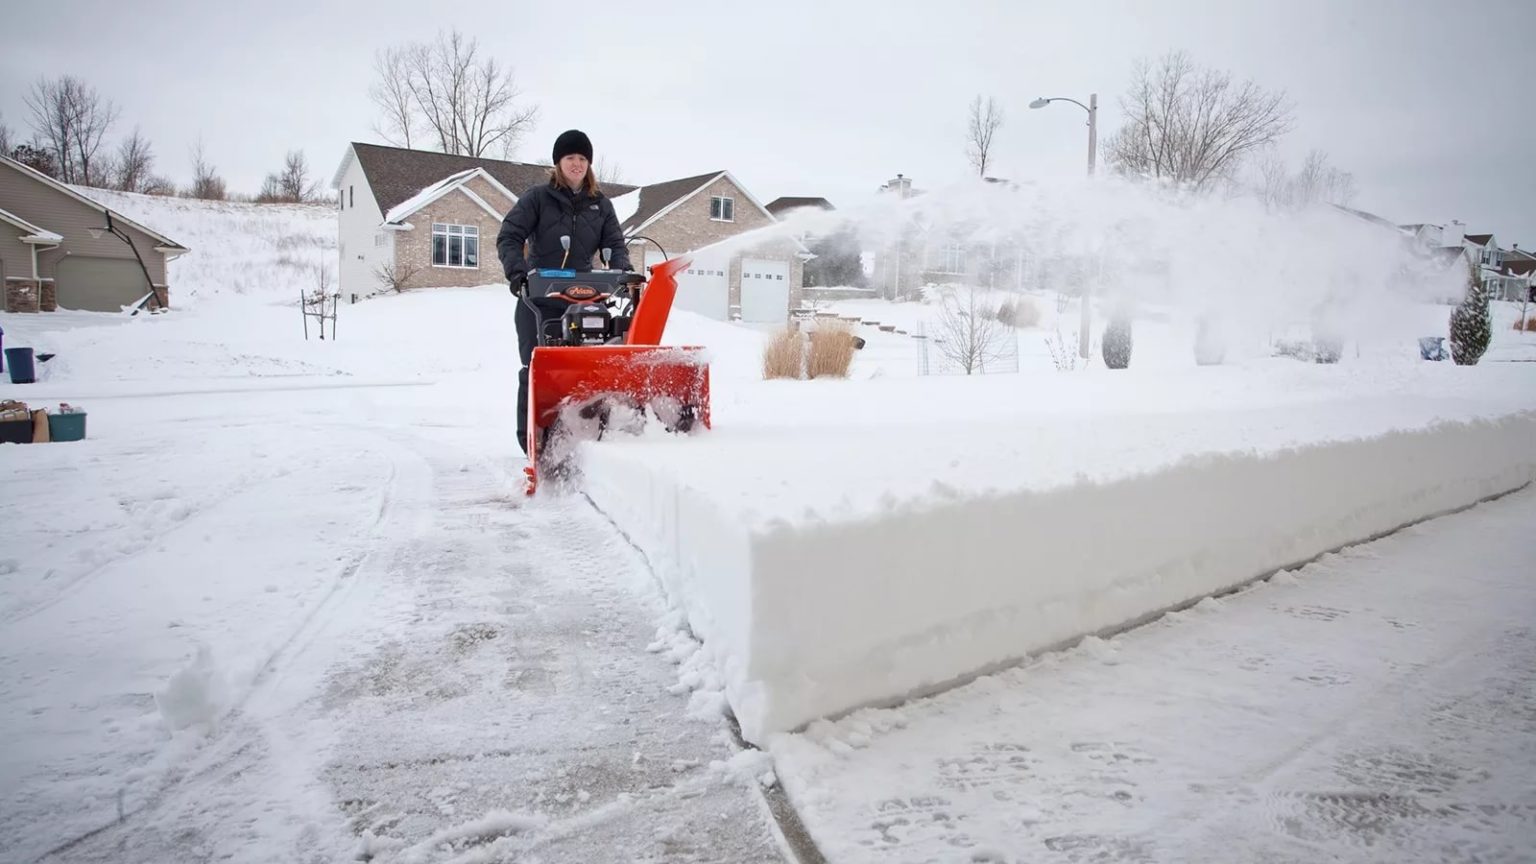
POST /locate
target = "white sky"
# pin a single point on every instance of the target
(1429, 104)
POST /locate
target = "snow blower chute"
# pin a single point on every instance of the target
(599, 355)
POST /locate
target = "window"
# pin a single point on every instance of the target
(455, 245)
(952, 258)
(351, 197)
(378, 239)
(722, 209)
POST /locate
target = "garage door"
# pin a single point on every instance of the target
(99, 284)
(702, 288)
(764, 291)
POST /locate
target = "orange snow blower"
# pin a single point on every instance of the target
(598, 362)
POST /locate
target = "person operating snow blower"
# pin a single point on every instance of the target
(565, 224)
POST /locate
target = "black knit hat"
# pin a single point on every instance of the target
(572, 141)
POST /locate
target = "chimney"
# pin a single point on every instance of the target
(1454, 234)
(902, 186)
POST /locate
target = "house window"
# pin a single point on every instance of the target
(722, 209)
(952, 258)
(455, 245)
(351, 197)
(378, 239)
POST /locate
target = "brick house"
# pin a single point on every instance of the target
(430, 219)
(55, 251)
(756, 284)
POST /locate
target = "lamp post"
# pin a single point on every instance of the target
(118, 233)
(1093, 146)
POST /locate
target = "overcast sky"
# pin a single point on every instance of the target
(1429, 104)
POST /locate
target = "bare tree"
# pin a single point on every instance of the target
(5, 140)
(206, 183)
(291, 185)
(608, 172)
(397, 276)
(135, 160)
(1316, 183)
(465, 104)
(968, 335)
(71, 119)
(391, 92)
(982, 128)
(1193, 126)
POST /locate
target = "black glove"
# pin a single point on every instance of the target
(519, 284)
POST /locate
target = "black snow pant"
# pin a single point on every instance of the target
(526, 341)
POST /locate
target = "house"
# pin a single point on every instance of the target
(756, 284)
(56, 249)
(779, 207)
(422, 219)
(921, 254)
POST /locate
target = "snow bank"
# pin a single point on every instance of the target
(871, 567)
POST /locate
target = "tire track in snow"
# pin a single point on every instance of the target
(237, 732)
(206, 508)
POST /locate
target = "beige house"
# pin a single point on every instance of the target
(426, 219)
(56, 250)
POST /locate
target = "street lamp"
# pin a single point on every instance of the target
(1093, 145)
(117, 232)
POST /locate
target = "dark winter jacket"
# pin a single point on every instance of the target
(542, 216)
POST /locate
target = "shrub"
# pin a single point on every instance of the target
(1471, 324)
(784, 354)
(1530, 325)
(1018, 313)
(1117, 343)
(832, 347)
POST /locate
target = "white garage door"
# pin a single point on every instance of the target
(703, 289)
(764, 291)
(99, 284)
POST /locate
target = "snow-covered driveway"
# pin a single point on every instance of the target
(369, 640)
(1377, 705)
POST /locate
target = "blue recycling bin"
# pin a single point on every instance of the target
(1432, 347)
(19, 361)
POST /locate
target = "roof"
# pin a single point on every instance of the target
(781, 205)
(396, 174)
(1446, 254)
(165, 242)
(437, 190)
(1479, 239)
(1519, 255)
(660, 196)
(34, 233)
(1372, 218)
(1519, 268)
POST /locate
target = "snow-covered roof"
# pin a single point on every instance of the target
(404, 209)
(624, 206)
(34, 234)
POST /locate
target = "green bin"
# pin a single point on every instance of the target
(66, 427)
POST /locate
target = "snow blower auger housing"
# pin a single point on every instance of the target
(598, 350)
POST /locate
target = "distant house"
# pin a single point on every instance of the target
(430, 219)
(55, 252)
(780, 207)
(948, 254)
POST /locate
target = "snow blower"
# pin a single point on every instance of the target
(598, 362)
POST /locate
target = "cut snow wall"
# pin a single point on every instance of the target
(811, 620)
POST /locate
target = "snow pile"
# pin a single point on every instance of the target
(822, 579)
(196, 695)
